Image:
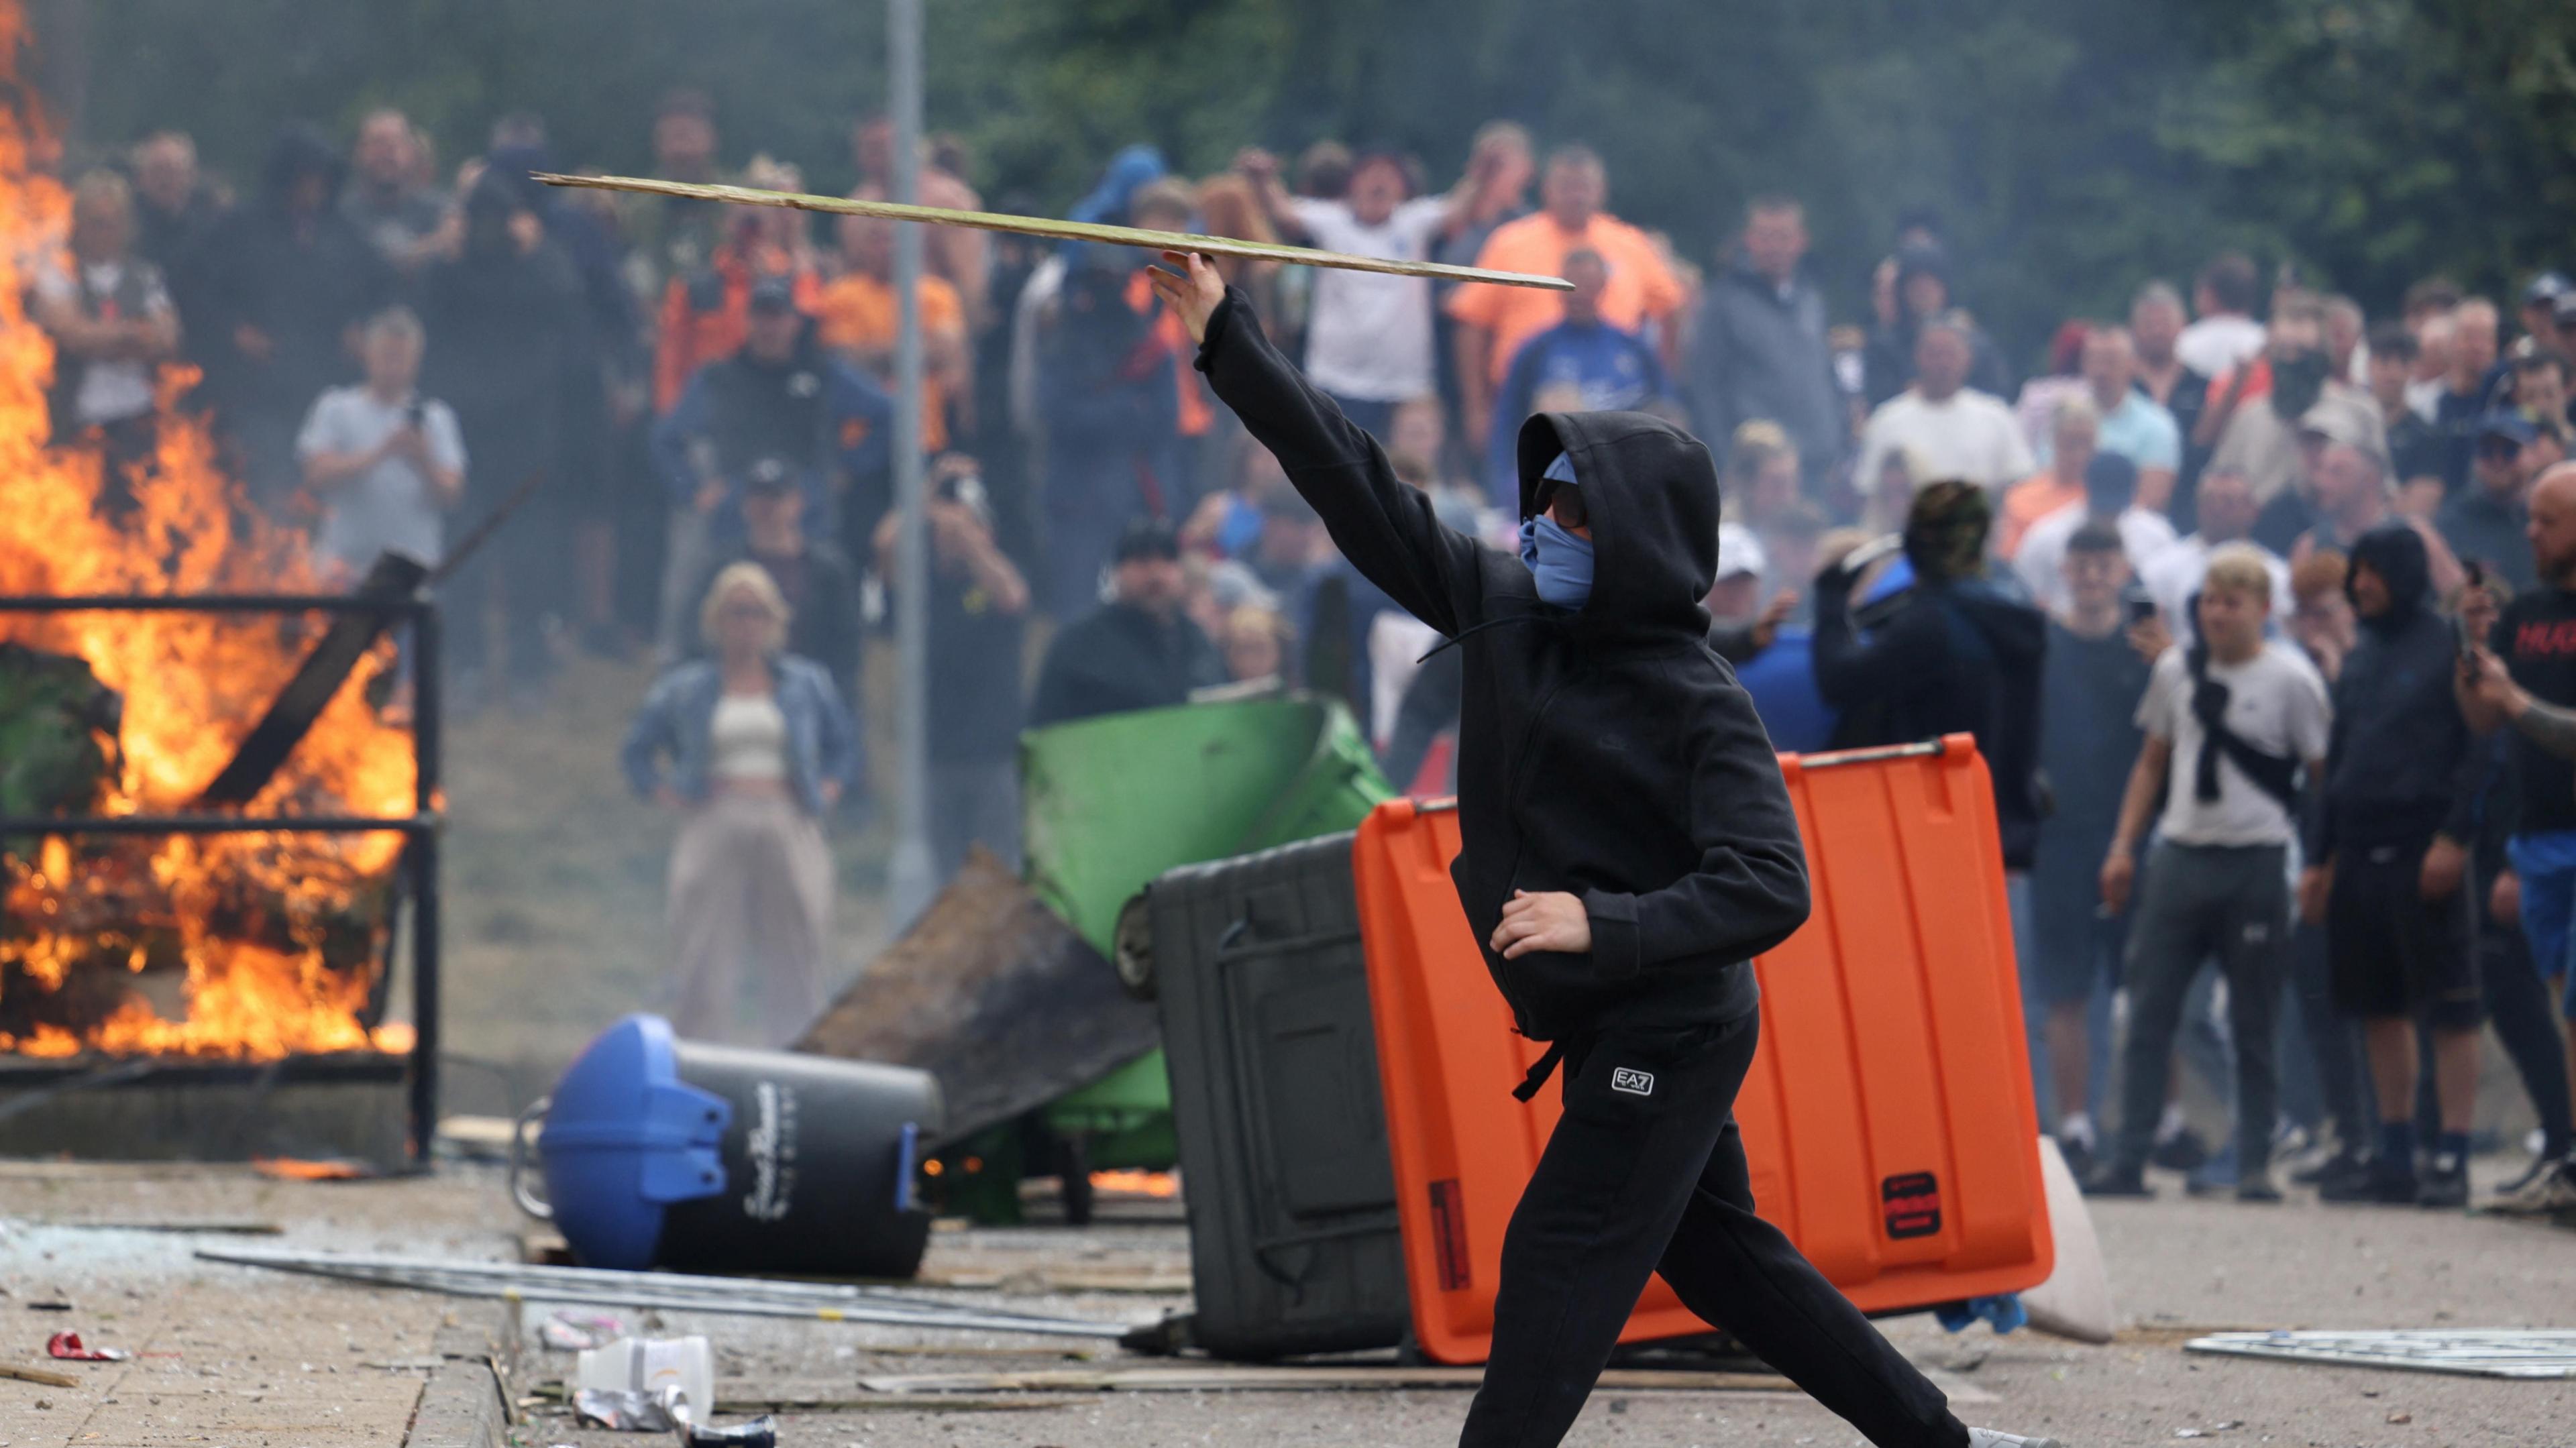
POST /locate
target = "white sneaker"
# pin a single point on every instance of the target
(2548, 1194)
(1989, 1438)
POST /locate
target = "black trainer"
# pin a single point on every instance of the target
(2182, 1151)
(2382, 1182)
(2117, 1180)
(2445, 1182)
(2346, 1162)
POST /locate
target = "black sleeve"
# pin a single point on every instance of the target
(1382, 525)
(1734, 643)
(1750, 890)
(1905, 656)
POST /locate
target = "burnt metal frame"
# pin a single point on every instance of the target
(419, 828)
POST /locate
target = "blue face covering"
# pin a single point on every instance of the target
(1560, 561)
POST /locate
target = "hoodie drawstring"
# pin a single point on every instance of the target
(1464, 634)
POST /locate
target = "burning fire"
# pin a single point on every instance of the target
(267, 941)
(1136, 1183)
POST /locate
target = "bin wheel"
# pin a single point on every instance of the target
(1073, 1178)
(1132, 949)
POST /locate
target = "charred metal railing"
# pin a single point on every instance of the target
(419, 828)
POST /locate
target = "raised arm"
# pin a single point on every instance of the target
(1382, 524)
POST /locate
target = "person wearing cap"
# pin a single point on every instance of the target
(2488, 521)
(779, 398)
(2539, 311)
(1137, 651)
(818, 580)
(1890, 363)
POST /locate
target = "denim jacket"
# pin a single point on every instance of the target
(678, 716)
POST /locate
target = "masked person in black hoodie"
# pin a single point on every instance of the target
(1627, 847)
(2389, 868)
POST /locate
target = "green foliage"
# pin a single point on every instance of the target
(2072, 150)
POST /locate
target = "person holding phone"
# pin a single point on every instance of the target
(385, 462)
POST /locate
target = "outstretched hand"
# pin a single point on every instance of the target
(1193, 290)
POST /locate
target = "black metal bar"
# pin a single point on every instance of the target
(422, 848)
(206, 603)
(217, 824)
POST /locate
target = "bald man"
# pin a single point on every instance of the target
(2530, 681)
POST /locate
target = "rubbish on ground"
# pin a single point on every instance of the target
(2475, 1352)
(760, 1432)
(69, 1347)
(51, 1304)
(38, 1375)
(569, 1331)
(2075, 1301)
(668, 1291)
(229, 1228)
(323, 1169)
(1231, 1378)
(2400, 1415)
(2212, 1431)
(623, 1410)
(648, 1365)
(834, 1397)
(2002, 1311)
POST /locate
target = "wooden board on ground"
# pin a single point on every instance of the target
(994, 995)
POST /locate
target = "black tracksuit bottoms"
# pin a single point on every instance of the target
(1645, 1172)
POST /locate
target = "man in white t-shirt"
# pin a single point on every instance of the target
(1955, 430)
(386, 462)
(1368, 335)
(2230, 725)
(2225, 335)
(2226, 512)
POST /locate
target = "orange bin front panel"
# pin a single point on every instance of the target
(1888, 1114)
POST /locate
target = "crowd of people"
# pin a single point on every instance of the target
(2200, 586)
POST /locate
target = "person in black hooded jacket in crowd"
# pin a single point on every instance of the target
(1627, 847)
(278, 289)
(1957, 655)
(508, 331)
(2388, 868)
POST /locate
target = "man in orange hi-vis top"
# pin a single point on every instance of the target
(859, 312)
(1493, 321)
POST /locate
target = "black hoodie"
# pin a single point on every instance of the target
(2401, 765)
(1604, 752)
(1958, 656)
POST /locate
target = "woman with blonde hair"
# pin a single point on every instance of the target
(758, 748)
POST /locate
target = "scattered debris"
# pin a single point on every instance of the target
(69, 1347)
(2476, 1352)
(51, 1304)
(39, 1375)
(592, 1287)
(569, 1331)
(2400, 1415)
(650, 1366)
(627, 1410)
(760, 1432)
(2212, 1431)
(223, 1227)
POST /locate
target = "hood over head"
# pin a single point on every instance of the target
(298, 151)
(2394, 551)
(1650, 490)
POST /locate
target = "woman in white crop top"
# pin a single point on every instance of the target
(760, 747)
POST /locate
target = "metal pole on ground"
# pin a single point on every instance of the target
(912, 873)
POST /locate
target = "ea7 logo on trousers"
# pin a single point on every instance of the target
(1633, 1081)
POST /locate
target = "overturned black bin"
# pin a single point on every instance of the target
(1294, 1243)
(659, 1152)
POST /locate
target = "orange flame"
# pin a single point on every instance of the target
(259, 925)
(1136, 1183)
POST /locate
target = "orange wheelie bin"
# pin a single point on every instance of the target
(1888, 1115)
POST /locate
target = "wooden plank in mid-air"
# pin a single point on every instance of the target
(1066, 230)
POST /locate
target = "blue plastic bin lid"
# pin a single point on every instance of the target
(624, 1138)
